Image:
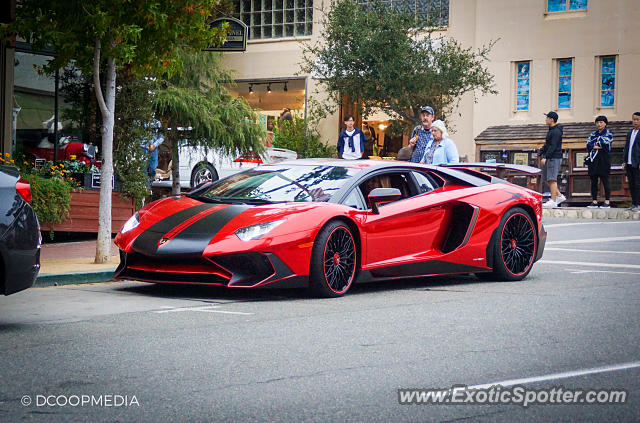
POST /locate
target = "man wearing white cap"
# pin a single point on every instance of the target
(441, 149)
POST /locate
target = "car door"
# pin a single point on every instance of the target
(405, 231)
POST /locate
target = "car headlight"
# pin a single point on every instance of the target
(256, 231)
(131, 223)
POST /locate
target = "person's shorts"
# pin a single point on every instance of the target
(550, 170)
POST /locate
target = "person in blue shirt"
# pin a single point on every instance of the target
(441, 149)
(421, 135)
(151, 148)
(599, 160)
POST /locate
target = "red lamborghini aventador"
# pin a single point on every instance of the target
(326, 224)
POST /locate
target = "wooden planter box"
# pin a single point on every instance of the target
(83, 212)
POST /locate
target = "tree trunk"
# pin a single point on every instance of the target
(103, 246)
(175, 158)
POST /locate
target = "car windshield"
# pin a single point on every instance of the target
(274, 184)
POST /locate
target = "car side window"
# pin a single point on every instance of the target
(354, 199)
(399, 180)
(425, 182)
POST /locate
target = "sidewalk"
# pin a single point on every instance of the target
(587, 213)
(72, 262)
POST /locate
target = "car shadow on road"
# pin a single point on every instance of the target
(217, 293)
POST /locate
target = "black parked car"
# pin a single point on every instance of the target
(19, 234)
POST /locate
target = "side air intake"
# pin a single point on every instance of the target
(463, 219)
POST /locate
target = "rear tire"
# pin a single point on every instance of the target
(334, 260)
(515, 247)
(201, 173)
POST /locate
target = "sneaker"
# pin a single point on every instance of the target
(592, 206)
(635, 209)
(630, 208)
(550, 204)
(560, 199)
(605, 206)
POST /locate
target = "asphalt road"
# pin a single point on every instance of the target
(159, 353)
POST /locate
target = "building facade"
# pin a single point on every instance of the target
(576, 57)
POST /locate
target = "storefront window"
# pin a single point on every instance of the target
(271, 97)
(33, 103)
(34, 108)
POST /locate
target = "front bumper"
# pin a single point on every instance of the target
(244, 270)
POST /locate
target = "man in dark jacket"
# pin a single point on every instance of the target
(551, 155)
(631, 161)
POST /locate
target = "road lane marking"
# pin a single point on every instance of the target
(559, 225)
(585, 263)
(598, 240)
(590, 251)
(206, 308)
(562, 375)
(225, 312)
(601, 271)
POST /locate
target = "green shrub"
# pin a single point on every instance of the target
(50, 198)
(297, 135)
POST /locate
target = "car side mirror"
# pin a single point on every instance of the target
(383, 195)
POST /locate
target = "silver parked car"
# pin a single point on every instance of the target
(199, 165)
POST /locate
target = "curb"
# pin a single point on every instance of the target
(73, 278)
(587, 214)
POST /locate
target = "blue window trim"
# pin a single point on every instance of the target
(522, 95)
(567, 77)
(609, 74)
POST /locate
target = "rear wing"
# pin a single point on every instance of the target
(500, 168)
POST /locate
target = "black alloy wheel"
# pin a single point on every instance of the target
(515, 247)
(333, 261)
(518, 244)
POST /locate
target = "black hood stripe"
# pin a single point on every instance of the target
(193, 239)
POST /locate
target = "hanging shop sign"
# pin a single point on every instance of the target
(236, 35)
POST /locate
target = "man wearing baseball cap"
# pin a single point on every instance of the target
(551, 155)
(422, 133)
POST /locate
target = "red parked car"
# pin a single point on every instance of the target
(68, 148)
(326, 224)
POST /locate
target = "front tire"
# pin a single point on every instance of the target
(515, 247)
(202, 173)
(334, 260)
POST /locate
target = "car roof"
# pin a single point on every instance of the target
(368, 166)
(358, 164)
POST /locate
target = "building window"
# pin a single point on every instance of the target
(565, 67)
(276, 18)
(565, 5)
(607, 81)
(431, 12)
(522, 85)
